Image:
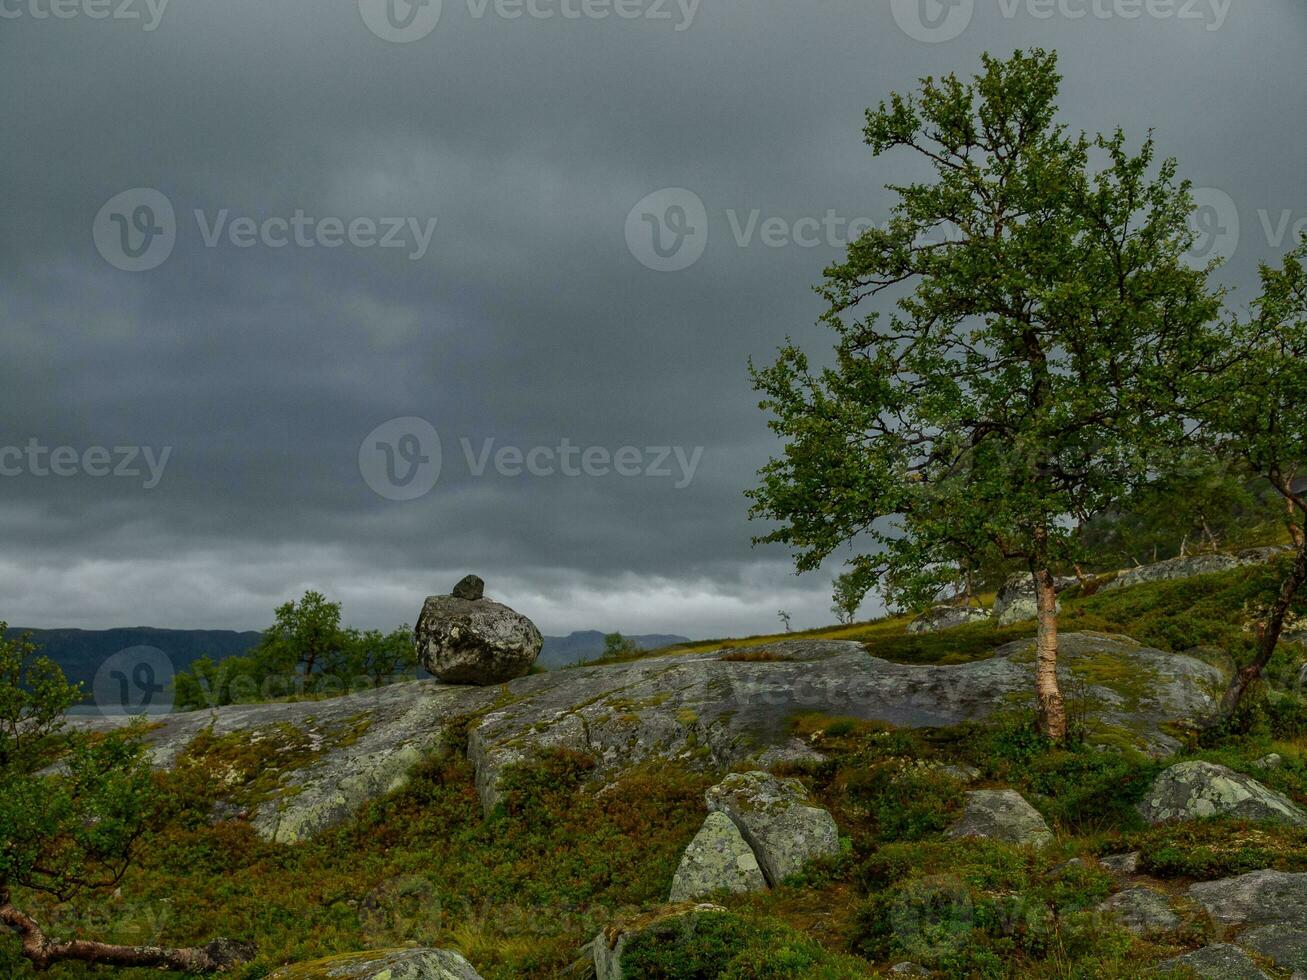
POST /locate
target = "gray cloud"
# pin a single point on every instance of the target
(527, 321)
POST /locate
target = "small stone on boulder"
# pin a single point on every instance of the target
(1142, 911)
(470, 587)
(718, 859)
(391, 964)
(778, 821)
(1002, 815)
(475, 641)
(1220, 961)
(1193, 790)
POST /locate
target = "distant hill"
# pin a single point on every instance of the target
(81, 652)
(563, 651)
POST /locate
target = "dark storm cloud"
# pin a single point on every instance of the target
(526, 320)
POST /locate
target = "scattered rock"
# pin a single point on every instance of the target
(475, 641)
(393, 964)
(718, 859)
(1220, 961)
(947, 618)
(1016, 599)
(1254, 899)
(1142, 911)
(1193, 790)
(1272, 761)
(778, 821)
(909, 969)
(1180, 568)
(470, 587)
(1283, 943)
(960, 771)
(608, 946)
(1121, 864)
(1003, 815)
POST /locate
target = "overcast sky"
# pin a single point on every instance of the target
(256, 354)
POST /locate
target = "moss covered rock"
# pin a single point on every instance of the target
(1194, 790)
(394, 964)
(777, 819)
(718, 859)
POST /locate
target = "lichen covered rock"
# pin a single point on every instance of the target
(1002, 815)
(718, 859)
(947, 618)
(777, 819)
(1194, 790)
(1220, 961)
(394, 964)
(1142, 911)
(1016, 599)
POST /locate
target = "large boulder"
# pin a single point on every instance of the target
(947, 618)
(1141, 910)
(718, 859)
(1002, 815)
(1180, 568)
(777, 819)
(474, 640)
(1220, 961)
(1016, 599)
(1193, 790)
(392, 964)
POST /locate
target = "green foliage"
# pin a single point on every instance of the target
(1020, 382)
(711, 945)
(1212, 849)
(1200, 503)
(618, 647)
(978, 908)
(70, 828)
(306, 652)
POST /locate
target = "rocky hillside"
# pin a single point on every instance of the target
(845, 803)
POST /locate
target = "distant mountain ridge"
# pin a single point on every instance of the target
(563, 651)
(81, 652)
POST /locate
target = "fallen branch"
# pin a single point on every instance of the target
(43, 952)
